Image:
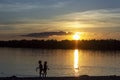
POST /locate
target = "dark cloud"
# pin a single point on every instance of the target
(46, 34)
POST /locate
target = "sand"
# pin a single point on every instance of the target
(85, 77)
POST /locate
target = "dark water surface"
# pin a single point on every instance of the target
(23, 62)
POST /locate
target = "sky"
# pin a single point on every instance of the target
(94, 19)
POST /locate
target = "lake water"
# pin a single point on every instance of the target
(23, 62)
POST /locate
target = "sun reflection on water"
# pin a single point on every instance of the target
(76, 61)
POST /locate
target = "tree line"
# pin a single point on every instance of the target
(64, 44)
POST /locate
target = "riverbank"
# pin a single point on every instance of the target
(85, 77)
(103, 45)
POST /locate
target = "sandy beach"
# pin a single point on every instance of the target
(85, 77)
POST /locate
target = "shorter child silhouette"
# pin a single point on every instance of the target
(45, 68)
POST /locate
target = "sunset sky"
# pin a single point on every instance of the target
(93, 19)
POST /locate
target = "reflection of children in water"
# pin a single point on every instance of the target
(40, 68)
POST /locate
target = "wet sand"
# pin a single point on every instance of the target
(85, 77)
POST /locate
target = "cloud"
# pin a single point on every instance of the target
(76, 21)
(27, 11)
(18, 6)
(104, 17)
(47, 34)
(2, 27)
(40, 15)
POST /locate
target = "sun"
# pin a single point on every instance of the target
(76, 36)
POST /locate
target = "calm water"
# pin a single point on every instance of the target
(23, 62)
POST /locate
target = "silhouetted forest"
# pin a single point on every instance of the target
(64, 44)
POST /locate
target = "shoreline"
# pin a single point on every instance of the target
(102, 44)
(84, 77)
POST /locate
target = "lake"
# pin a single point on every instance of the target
(23, 62)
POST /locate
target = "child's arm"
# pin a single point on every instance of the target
(37, 68)
(48, 68)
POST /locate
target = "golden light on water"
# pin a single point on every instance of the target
(76, 59)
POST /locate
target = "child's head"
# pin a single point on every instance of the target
(39, 62)
(45, 62)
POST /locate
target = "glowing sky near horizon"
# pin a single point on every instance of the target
(99, 19)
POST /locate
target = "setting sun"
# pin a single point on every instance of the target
(76, 36)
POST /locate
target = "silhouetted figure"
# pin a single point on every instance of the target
(40, 68)
(45, 68)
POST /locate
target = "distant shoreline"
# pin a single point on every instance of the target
(84, 77)
(64, 44)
